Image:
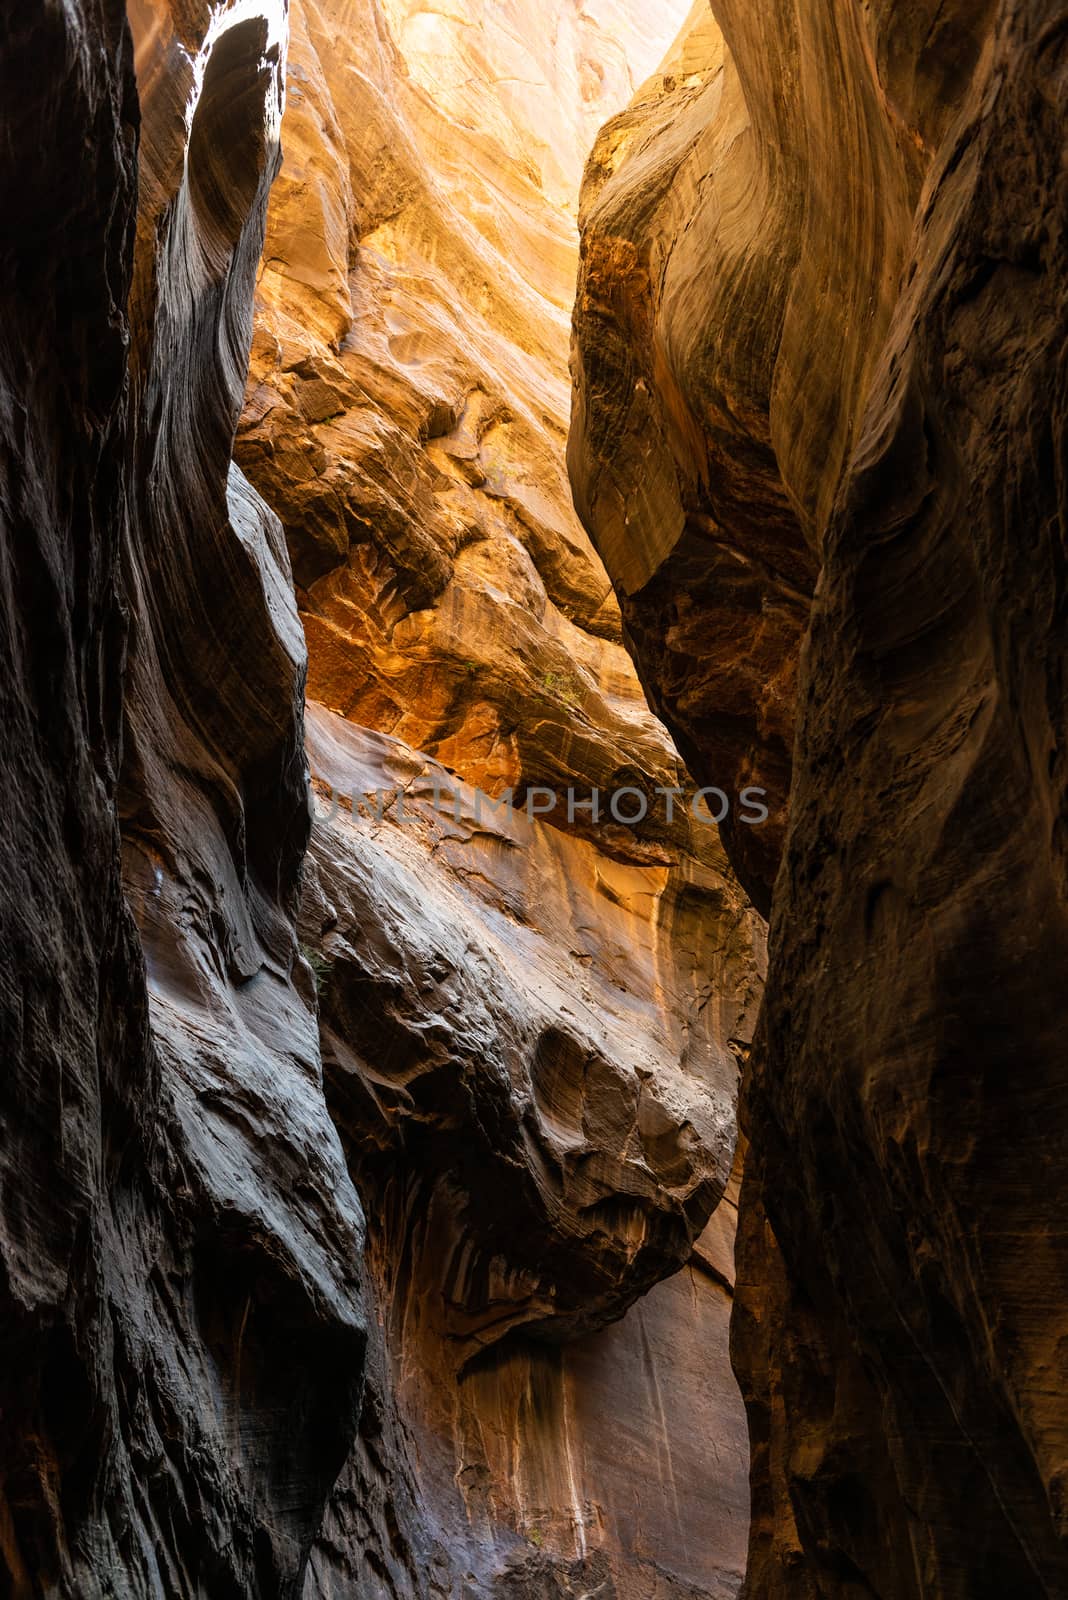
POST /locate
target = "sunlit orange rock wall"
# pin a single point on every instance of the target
(531, 1030)
(409, 408)
(821, 325)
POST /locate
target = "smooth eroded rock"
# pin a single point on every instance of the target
(823, 307)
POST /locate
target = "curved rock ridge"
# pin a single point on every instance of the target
(183, 1332)
(821, 319)
(544, 1036)
(214, 812)
(677, 336)
(531, 1053)
(736, 289)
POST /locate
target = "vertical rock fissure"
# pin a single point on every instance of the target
(369, 1078)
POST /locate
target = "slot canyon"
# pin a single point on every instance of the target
(534, 800)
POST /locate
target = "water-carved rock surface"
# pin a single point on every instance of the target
(546, 1033)
(820, 392)
(182, 1328)
(72, 1001)
(530, 1030)
(534, 1082)
(678, 350)
(408, 408)
(878, 196)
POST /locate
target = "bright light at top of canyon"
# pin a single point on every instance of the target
(541, 78)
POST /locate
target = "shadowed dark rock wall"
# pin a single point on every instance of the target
(73, 994)
(911, 1059)
(877, 196)
(182, 1330)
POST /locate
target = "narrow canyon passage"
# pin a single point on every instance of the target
(532, 811)
(530, 1013)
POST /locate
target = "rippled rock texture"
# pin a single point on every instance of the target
(534, 1081)
(531, 1028)
(409, 399)
(517, 1040)
(182, 1328)
(821, 322)
(678, 342)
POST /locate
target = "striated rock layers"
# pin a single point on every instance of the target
(530, 1028)
(182, 1332)
(821, 322)
(678, 348)
(534, 1082)
(408, 407)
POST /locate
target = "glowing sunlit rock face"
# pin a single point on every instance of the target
(538, 79)
(530, 1033)
(410, 398)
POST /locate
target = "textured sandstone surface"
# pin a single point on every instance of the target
(820, 330)
(871, 356)
(409, 399)
(678, 340)
(534, 1084)
(560, 1493)
(72, 1001)
(182, 1325)
(549, 1036)
(530, 1032)
(537, 81)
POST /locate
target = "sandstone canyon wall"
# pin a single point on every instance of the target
(821, 329)
(530, 1030)
(533, 1152)
(182, 1327)
(514, 1041)
(366, 1181)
